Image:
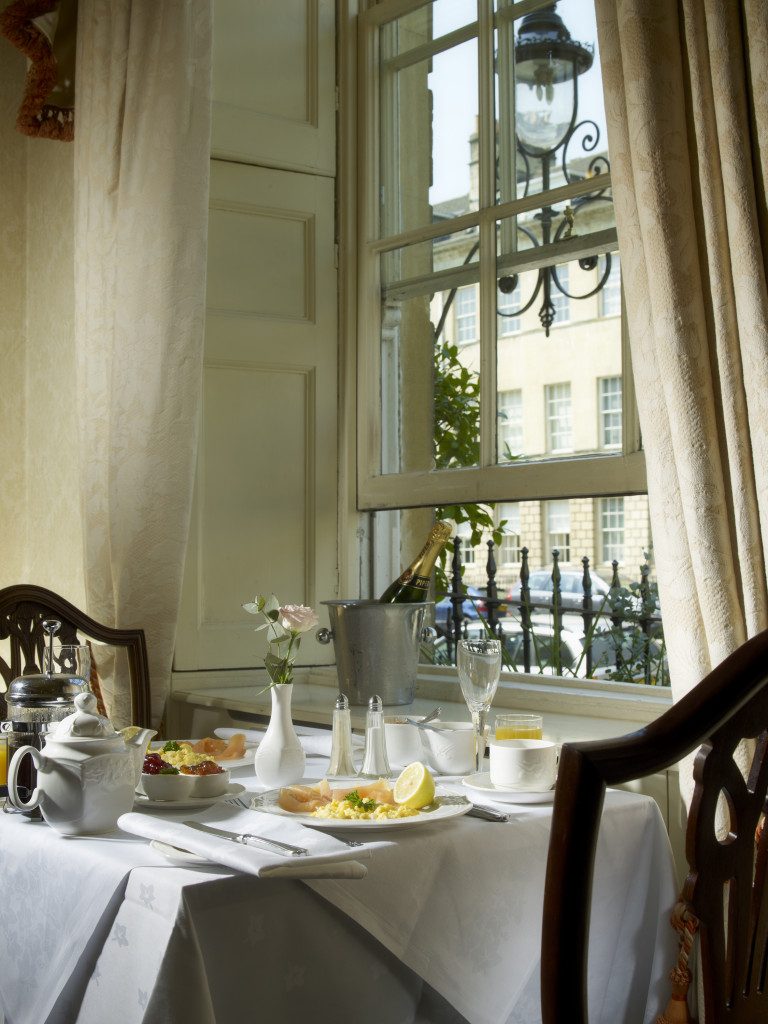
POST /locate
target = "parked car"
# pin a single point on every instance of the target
(542, 643)
(471, 608)
(571, 590)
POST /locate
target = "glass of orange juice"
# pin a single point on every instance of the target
(3, 765)
(518, 727)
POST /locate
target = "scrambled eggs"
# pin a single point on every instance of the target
(345, 810)
(185, 755)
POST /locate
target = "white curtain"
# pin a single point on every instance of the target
(687, 113)
(142, 146)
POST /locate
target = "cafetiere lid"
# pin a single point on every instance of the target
(38, 691)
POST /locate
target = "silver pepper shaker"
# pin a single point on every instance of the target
(341, 740)
(375, 761)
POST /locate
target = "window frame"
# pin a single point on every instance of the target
(593, 475)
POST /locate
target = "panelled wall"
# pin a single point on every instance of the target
(265, 515)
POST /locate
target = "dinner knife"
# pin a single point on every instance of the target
(248, 839)
(487, 813)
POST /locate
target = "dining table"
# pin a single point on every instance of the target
(438, 923)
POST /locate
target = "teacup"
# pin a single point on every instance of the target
(403, 741)
(523, 764)
(449, 747)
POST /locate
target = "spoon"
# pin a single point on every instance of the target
(423, 722)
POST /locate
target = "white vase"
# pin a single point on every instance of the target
(279, 758)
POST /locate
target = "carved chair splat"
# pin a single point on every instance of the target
(725, 896)
(24, 607)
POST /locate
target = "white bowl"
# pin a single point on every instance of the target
(167, 787)
(210, 785)
(449, 747)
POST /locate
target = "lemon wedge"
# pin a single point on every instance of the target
(415, 787)
(129, 732)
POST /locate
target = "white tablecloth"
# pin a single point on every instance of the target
(445, 928)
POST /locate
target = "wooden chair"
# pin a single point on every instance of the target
(22, 611)
(724, 896)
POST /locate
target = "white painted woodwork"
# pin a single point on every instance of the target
(265, 510)
(273, 84)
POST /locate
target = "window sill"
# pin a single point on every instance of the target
(573, 708)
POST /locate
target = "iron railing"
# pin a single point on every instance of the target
(618, 635)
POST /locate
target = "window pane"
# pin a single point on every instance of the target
(428, 114)
(550, 111)
(430, 386)
(558, 373)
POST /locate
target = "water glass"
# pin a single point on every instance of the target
(479, 667)
(73, 660)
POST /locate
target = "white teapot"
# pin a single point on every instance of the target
(85, 773)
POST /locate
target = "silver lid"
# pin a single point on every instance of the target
(43, 691)
(342, 704)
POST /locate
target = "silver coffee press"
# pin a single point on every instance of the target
(35, 705)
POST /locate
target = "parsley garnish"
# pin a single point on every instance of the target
(171, 745)
(365, 804)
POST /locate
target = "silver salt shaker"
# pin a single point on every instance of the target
(341, 740)
(375, 761)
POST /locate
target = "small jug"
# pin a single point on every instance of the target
(85, 773)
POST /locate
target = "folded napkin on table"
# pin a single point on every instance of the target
(315, 742)
(328, 857)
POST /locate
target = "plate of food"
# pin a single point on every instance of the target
(358, 805)
(234, 752)
(481, 783)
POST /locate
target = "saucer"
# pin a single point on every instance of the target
(142, 802)
(481, 783)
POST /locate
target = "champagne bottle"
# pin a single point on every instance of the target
(413, 582)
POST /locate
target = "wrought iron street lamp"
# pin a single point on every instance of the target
(548, 63)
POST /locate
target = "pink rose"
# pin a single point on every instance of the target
(297, 618)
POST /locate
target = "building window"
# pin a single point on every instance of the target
(510, 413)
(558, 413)
(612, 529)
(561, 302)
(610, 412)
(506, 302)
(610, 296)
(466, 315)
(509, 550)
(464, 533)
(558, 528)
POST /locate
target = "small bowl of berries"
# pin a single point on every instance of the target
(162, 781)
(210, 779)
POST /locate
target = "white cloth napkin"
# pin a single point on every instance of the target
(315, 742)
(328, 857)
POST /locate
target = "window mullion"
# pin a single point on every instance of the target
(487, 196)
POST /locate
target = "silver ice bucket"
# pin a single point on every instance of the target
(377, 648)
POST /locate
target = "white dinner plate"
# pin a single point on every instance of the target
(241, 762)
(143, 803)
(453, 807)
(481, 783)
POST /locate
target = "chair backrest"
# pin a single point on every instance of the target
(22, 611)
(726, 885)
